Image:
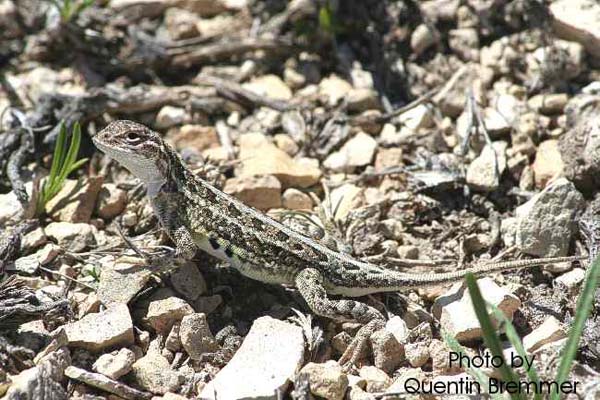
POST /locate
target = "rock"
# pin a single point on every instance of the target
(550, 331)
(404, 377)
(111, 201)
(571, 279)
(417, 354)
(115, 364)
(548, 162)
(580, 148)
(74, 237)
(102, 382)
(333, 89)
(397, 327)
(41, 381)
(197, 137)
(547, 221)
(377, 380)
(164, 311)
(465, 43)
(260, 157)
(268, 359)
(496, 123)
(440, 361)
(188, 281)
(75, 201)
(262, 192)
(10, 207)
(9, 20)
(169, 116)
(100, 331)
(416, 118)
(207, 304)
(388, 158)
(485, 171)
(33, 240)
(326, 380)
(456, 313)
(29, 264)
(347, 198)
(549, 103)
(359, 100)
(356, 152)
(423, 37)
(153, 372)
(286, 143)
(408, 251)
(388, 353)
(196, 337)
(578, 20)
(181, 24)
(294, 199)
(269, 86)
(122, 280)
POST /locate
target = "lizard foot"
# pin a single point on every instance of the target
(358, 347)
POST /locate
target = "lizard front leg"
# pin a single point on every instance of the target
(168, 210)
(310, 285)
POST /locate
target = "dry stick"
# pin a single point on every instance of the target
(236, 93)
(225, 49)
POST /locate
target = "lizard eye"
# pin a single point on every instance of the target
(132, 138)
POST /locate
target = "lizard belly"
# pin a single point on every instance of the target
(231, 255)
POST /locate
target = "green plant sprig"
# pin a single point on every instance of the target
(63, 163)
(71, 8)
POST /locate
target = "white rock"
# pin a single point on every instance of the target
(111, 201)
(397, 327)
(377, 380)
(485, 171)
(572, 278)
(100, 331)
(294, 199)
(169, 116)
(547, 222)
(333, 89)
(548, 162)
(196, 336)
(356, 152)
(269, 86)
(326, 380)
(153, 372)
(422, 38)
(550, 331)
(74, 237)
(164, 311)
(262, 192)
(457, 315)
(115, 364)
(347, 197)
(268, 359)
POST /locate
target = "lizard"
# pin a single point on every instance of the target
(198, 216)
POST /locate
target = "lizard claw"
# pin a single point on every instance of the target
(358, 347)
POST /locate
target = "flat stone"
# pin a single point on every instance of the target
(111, 201)
(197, 137)
(188, 281)
(397, 327)
(457, 315)
(417, 354)
(101, 331)
(550, 331)
(269, 86)
(169, 116)
(33, 240)
(359, 100)
(74, 237)
(388, 353)
(326, 380)
(115, 364)
(10, 207)
(196, 336)
(268, 359)
(347, 197)
(546, 223)
(571, 279)
(75, 201)
(261, 157)
(377, 380)
(553, 103)
(122, 280)
(29, 264)
(104, 383)
(356, 152)
(262, 192)
(548, 163)
(181, 24)
(578, 20)
(153, 372)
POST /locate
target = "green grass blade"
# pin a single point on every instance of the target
(59, 152)
(77, 164)
(475, 372)
(73, 151)
(515, 340)
(584, 307)
(490, 336)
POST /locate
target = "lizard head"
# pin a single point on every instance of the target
(136, 147)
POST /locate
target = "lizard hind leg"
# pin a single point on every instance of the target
(310, 285)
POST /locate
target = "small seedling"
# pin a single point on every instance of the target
(68, 9)
(63, 163)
